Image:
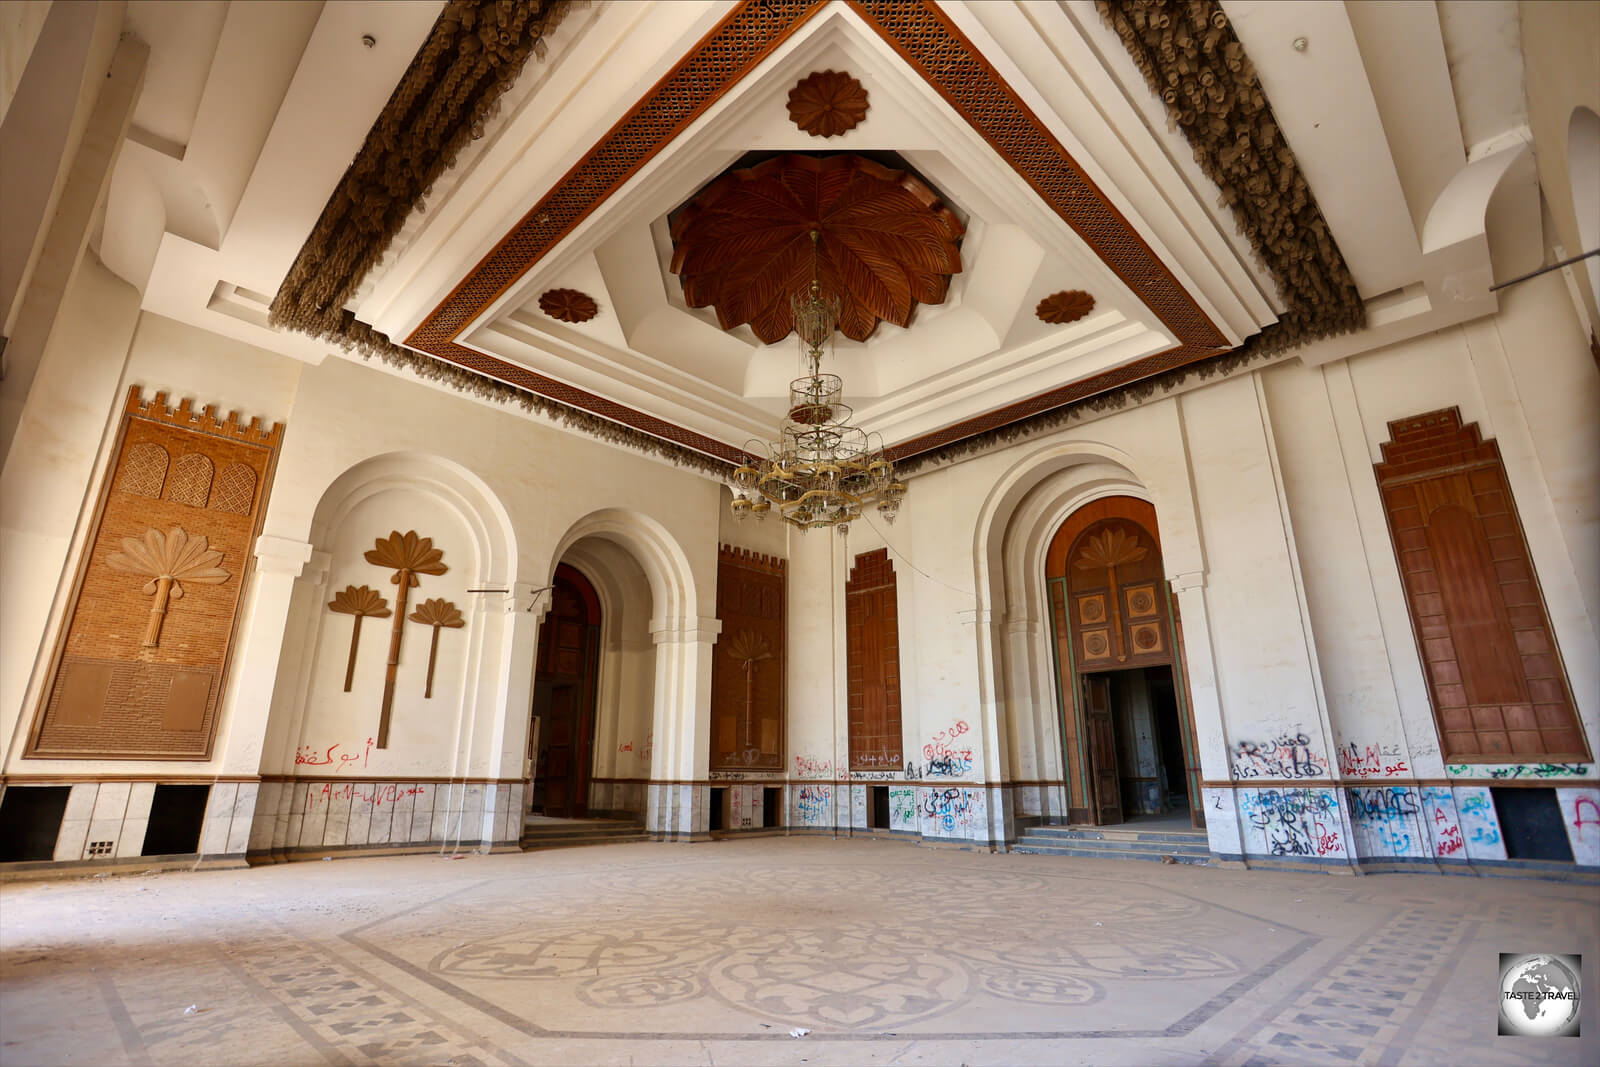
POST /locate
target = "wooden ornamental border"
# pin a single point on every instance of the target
(932, 45)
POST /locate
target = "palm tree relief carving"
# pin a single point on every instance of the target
(408, 556)
(361, 602)
(168, 560)
(749, 649)
(1112, 549)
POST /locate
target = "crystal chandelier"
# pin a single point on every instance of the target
(821, 471)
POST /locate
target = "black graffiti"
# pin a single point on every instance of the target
(1288, 756)
(1381, 803)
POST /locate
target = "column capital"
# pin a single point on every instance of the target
(1187, 580)
(283, 555)
(701, 629)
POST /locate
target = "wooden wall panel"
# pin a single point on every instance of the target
(140, 669)
(1494, 673)
(747, 675)
(872, 641)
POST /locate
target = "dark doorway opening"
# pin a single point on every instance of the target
(769, 807)
(564, 689)
(878, 810)
(30, 821)
(1532, 824)
(176, 815)
(719, 810)
(1134, 738)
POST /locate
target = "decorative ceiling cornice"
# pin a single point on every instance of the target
(880, 241)
(1315, 287)
(470, 58)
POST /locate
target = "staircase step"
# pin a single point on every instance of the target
(1097, 848)
(1078, 833)
(538, 844)
(1190, 858)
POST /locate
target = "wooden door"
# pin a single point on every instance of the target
(569, 644)
(1099, 724)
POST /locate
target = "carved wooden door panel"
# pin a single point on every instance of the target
(872, 663)
(568, 664)
(1102, 749)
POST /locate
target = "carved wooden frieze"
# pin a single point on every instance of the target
(826, 103)
(408, 556)
(139, 669)
(747, 674)
(885, 243)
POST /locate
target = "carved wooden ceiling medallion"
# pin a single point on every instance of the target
(886, 243)
(1069, 305)
(826, 103)
(568, 305)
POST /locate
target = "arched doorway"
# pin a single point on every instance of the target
(564, 687)
(1128, 733)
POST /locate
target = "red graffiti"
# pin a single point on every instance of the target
(1378, 761)
(377, 795)
(806, 767)
(1578, 821)
(939, 747)
(1327, 841)
(309, 757)
(625, 748)
(1450, 841)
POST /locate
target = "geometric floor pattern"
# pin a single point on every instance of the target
(777, 950)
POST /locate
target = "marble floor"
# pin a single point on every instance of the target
(776, 951)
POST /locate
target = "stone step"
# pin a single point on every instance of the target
(1190, 858)
(1160, 848)
(1082, 833)
(589, 830)
(540, 844)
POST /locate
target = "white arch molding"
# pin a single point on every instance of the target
(482, 707)
(676, 808)
(1017, 676)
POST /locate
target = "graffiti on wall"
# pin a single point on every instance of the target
(1443, 825)
(1480, 826)
(951, 812)
(374, 794)
(1386, 821)
(312, 757)
(1291, 822)
(813, 805)
(1371, 761)
(1581, 810)
(945, 756)
(1288, 755)
(902, 808)
(811, 767)
(1525, 770)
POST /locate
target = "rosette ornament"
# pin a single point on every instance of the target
(826, 103)
(879, 241)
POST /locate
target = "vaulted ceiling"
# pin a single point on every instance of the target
(998, 154)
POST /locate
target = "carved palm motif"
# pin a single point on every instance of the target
(408, 555)
(748, 649)
(168, 560)
(436, 612)
(359, 601)
(885, 243)
(1112, 549)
